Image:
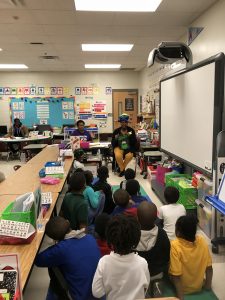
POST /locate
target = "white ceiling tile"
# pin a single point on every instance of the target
(50, 4)
(94, 18)
(62, 30)
(185, 6)
(55, 17)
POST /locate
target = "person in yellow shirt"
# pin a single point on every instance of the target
(190, 259)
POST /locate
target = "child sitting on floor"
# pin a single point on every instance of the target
(95, 200)
(133, 188)
(102, 184)
(101, 223)
(123, 203)
(122, 274)
(74, 207)
(168, 214)
(154, 244)
(71, 256)
(128, 174)
(190, 259)
(78, 158)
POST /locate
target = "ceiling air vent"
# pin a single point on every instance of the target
(49, 57)
(36, 43)
(127, 69)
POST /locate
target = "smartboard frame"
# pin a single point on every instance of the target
(218, 60)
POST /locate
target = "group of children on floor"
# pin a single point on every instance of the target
(132, 247)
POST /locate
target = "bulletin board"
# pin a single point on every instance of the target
(55, 111)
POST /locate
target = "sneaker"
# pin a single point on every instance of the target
(157, 289)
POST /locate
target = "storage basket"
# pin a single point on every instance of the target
(27, 216)
(188, 194)
(160, 173)
(172, 178)
(204, 186)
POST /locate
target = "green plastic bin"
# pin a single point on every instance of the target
(172, 179)
(188, 194)
(27, 216)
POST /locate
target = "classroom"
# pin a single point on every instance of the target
(112, 136)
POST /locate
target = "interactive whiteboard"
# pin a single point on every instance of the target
(191, 105)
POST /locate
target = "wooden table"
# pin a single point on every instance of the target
(27, 253)
(35, 147)
(26, 179)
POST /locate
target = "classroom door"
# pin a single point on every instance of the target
(125, 101)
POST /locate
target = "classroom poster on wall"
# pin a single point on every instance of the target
(91, 90)
(37, 110)
(65, 115)
(64, 105)
(148, 102)
(15, 105)
(19, 115)
(83, 109)
(42, 110)
(99, 109)
(21, 105)
(94, 105)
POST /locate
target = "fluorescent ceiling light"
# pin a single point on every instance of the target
(107, 47)
(102, 66)
(0, 49)
(117, 5)
(13, 66)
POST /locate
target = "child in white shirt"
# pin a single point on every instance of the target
(169, 213)
(78, 157)
(122, 274)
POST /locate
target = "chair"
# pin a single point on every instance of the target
(43, 127)
(3, 130)
(105, 137)
(62, 286)
(13, 154)
(136, 157)
(68, 126)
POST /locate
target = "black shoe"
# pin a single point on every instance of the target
(121, 174)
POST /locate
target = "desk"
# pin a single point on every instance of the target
(26, 179)
(27, 253)
(150, 157)
(100, 145)
(144, 147)
(21, 140)
(57, 137)
(33, 149)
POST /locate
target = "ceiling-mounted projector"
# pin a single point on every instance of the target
(169, 52)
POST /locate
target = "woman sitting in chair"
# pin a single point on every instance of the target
(124, 143)
(17, 130)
